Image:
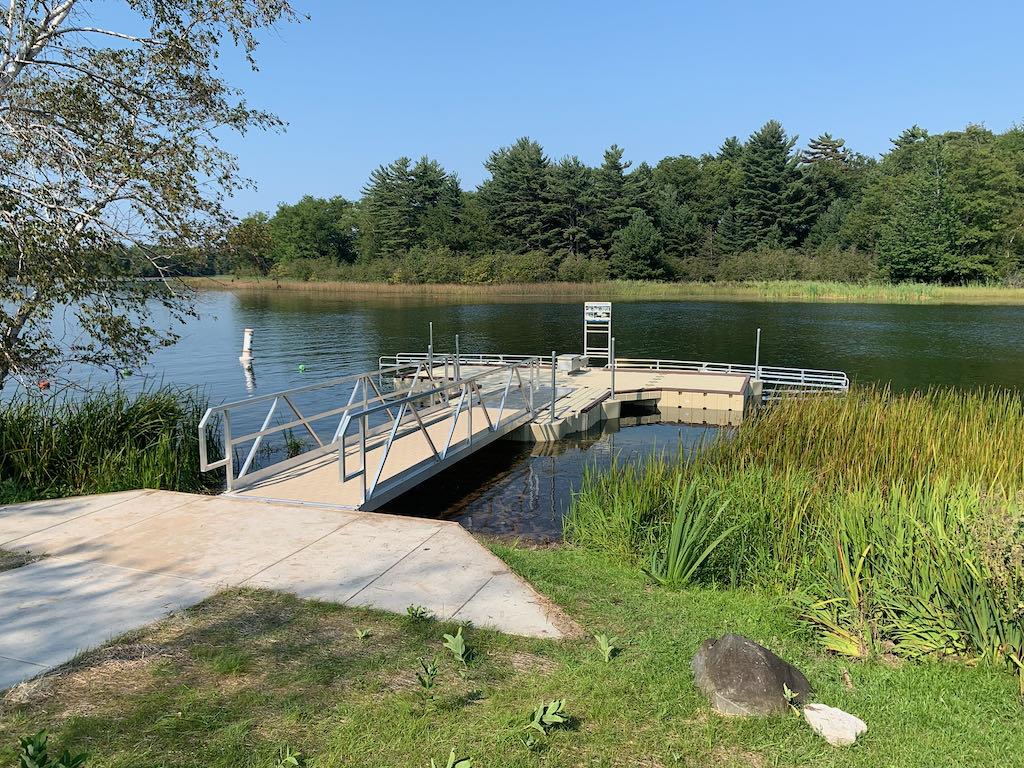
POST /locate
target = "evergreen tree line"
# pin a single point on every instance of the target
(943, 208)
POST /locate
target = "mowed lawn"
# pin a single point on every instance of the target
(232, 680)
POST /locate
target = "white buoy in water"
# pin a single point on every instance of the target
(246, 345)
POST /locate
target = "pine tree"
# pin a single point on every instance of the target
(641, 191)
(612, 200)
(435, 200)
(825, 149)
(514, 195)
(637, 250)
(569, 208)
(389, 222)
(731, 149)
(680, 231)
(773, 203)
(728, 236)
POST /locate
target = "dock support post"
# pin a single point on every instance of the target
(757, 356)
(611, 354)
(458, 374)
(554, 387)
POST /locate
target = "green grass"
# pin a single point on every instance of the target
(107, 441)
(173, 694)
(626, 290)
(895, 522)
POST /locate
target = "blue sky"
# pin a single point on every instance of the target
(363, 83)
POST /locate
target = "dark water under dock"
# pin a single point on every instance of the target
(523, 490)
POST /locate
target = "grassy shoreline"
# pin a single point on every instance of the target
(231, 681)
(785, 290)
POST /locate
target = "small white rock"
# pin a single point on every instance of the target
(838, 728)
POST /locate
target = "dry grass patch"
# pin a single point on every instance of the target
(11, 559)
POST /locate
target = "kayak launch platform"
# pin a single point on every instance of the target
(386, 431)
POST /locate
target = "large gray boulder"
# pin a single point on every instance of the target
(741, 677)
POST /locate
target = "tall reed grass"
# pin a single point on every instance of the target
(107, 441)
(896, 520)
(759, 290)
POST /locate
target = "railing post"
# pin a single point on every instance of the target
(362, 451)
(757, 357)
(554, 387)
(530, 388)
(229, 451)
(430, 364)
(611, 352)
(469, 414)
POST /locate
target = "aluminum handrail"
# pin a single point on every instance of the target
(231, 441)
(466, 388)
(453, 384)
(308, 387)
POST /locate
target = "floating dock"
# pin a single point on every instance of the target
(418, 414)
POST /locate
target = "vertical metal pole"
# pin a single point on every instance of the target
(362, 450)
(430, 340)
(757, 357)
(430, 368)
(469, 415)
(611, 352)
(529, 387)
(229, 451)
(458, 374)
(554, 388)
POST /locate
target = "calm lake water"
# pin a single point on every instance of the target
(525, 489)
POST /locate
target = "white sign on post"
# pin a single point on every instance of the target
(597, 329)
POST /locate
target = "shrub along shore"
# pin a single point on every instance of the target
(894, 522)
(627, 290)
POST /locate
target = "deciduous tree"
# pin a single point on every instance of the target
(109, 155)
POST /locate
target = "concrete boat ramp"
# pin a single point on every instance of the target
(118, 561)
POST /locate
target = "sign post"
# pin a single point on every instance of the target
(597, 330)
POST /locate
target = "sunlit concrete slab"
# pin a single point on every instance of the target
(119, 561)
(76, 533)
(214, 539)
(441, 574)
(18, 520)
(340, 565)
(503, 600)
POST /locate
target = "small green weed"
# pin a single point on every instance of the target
(427, 675)
(33, 752)
(419, 613)
(454, 762)
(457, 645)
(608, 646)
(286, 758)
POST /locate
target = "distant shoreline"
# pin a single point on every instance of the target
(789, 290)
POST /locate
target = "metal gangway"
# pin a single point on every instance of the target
(397, 426)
